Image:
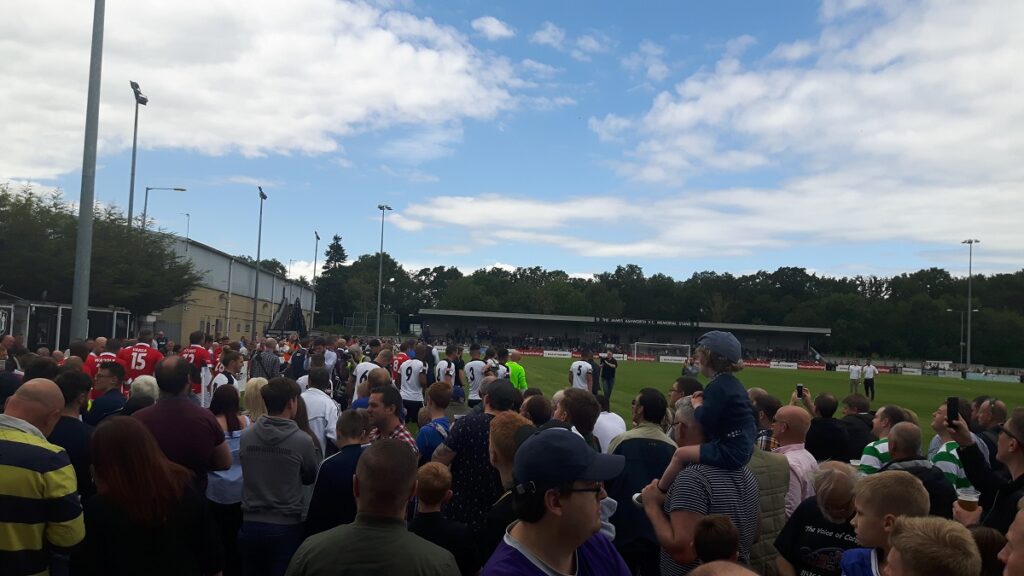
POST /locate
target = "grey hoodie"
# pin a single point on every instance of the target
(277, 459)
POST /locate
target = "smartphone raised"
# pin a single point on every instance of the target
(952, 410)
(800, 391)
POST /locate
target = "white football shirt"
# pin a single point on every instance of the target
(361, 373)
(475, 375)
(410, 373)
(579, 370)
(445, 372)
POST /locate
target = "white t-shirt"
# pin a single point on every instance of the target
(445, 372)
(608, 426)
(870, 371)
(854, 372)
(409, 372)
(579, 370)
(222, 379)
(474, 376)
(323, 416)
(303, 382)
(502, 371)
(361, 373)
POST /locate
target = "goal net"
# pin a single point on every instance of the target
(657, 352)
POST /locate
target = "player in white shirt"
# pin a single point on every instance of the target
(501, 371)
(581, 372)
(232, 363)
(855, 372)
(444, 370)
(360, 374)
(474, 370)
(869, 372)
(413, 381)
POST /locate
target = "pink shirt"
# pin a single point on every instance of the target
(801, 471)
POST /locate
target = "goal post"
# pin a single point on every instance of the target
(659, 352)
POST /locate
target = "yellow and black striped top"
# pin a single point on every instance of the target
(39, 506)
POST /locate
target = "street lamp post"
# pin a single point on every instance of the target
(970, 276)
(188, 226)
(380, 272)
(312, 313)
(145, 204)
(256, 288)
(83, 244)
(140, 99)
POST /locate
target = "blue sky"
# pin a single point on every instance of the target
(846, 136)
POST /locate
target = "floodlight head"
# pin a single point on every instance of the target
(317, 234)
(180, 189)
(139, 96)
(383, 207)
(971, 241)
(263, 196)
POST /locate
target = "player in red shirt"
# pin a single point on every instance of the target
(402, 356)
(197, 355)
(102, 353)
(141, 358)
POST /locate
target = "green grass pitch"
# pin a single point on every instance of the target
(922, 394)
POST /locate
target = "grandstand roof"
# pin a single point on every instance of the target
(625, 321)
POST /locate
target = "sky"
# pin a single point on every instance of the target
(848, 137)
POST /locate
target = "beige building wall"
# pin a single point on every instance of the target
(208, 311)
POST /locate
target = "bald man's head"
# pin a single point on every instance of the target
(515, 356)
(38, 402)
(722, 568)
(904, 440)
(791, 425)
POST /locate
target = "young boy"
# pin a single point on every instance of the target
(879, 500)
(932, 546)
(434, 488)
(723, 410)
(716, 538)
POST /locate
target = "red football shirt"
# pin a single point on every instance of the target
(141, 360)
(395, 364)
(200, 357)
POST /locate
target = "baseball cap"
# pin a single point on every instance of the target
(558, 456)
(722, 343)
(502, 394)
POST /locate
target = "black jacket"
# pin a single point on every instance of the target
(996, 487)
(827, 439)
(858, 430)
(941, 493)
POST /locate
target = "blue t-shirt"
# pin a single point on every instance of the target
(429, 437)
(860, 562)
(363, 403)
(596, 557)
(728, 422)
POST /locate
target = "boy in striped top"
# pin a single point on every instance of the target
(947, 458)
(876, 454)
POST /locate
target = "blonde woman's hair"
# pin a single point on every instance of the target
(253, 400)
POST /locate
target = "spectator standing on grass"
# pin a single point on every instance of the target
(941, 441)
(876, 454)
(869, 372)
(947, 456)
(790, 428)
(475, 483)
(332, 503)
(991, 417)
(647, 450)
(608, 367)
(819, 531)
(609, 425)
(559, 487)
(581, 372)
(905, 455)
(858, 423)
(377, 542)
(579, 410)
(855, 373)
(277, 460)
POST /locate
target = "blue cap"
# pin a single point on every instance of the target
(558, 456)
(722, 343)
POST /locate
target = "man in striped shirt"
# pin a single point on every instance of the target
(42, 512)
(947, 457)
(876, 454)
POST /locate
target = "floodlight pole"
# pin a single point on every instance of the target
(380, 272)
(140, 99)
(316, 251)
(970, 277)
(256, 287)
(83, 244)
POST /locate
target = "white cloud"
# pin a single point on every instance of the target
(546, 103)
(252, 181)
(493, 29)
(424, 145)
(412, 174)
(549, 35)
(610, 127)
(539, 69)
(406, 223)
(590, 44)
(648, 61)
(235, 85)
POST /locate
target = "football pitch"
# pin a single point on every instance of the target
(922, 394)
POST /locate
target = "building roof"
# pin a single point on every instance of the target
(625, 321)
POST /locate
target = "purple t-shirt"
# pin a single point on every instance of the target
(596, 557)
(186, 433)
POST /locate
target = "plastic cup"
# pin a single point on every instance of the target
(855, 463)
(968, 498)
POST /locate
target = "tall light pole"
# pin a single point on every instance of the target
(380, 273)
(256, 288)
(188, 225)
(145, 204)
(83, 244)
(316, 250)
(961, 331)
(970, 277)
(140, 99)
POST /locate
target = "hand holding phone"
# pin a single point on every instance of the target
(952, 410)
(800, 391)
